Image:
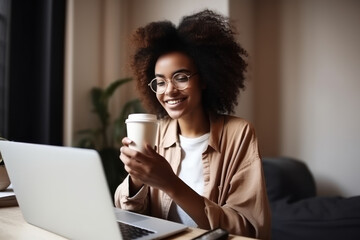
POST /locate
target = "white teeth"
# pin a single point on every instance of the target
(172, 102)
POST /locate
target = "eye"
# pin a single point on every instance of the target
(160, 82)
(181, 77)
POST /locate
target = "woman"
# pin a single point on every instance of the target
(205, 170)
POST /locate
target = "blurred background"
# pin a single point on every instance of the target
(303, 86)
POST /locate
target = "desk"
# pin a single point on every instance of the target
(14, 227)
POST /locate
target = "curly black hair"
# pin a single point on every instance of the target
(208, 38)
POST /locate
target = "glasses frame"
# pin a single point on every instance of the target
(172, 81)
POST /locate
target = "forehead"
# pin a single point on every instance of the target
(174, 61)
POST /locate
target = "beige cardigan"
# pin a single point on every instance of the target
(234, 192)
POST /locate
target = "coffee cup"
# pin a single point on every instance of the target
(141, 129)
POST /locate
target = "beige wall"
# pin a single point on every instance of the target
(82, 69)
(307, 87)
(321, 90)
(303, 87)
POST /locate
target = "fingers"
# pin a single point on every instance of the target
(132, 154)
(126, 141)
(132, 166)
(127, 155)
(134, 161)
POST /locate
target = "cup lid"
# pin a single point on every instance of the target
(141, 117)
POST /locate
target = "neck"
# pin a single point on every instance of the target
(194, 126)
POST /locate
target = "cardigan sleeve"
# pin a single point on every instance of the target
(245, 211)
(237, 199)
(137, 203)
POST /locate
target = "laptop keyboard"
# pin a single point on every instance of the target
(131, 232)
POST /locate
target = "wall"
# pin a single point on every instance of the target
(303, 87)
(82, 68)
(95, 56)
(242, 16)
(320, 113)
(306, 96)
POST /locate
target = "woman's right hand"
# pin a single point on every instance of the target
(148, 168)
(135, 184)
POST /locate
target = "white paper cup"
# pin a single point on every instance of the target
(141, 129)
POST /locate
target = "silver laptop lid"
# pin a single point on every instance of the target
(61, 189)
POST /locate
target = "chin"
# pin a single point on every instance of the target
(174, 115)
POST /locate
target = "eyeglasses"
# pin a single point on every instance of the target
(180, 81)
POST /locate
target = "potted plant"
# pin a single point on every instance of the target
(106, 138)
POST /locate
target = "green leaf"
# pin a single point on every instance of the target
(100, 105)
(98, 138)
(109, 91)
(86, 143)
(86, 131)
(94, 133)
(96, 96)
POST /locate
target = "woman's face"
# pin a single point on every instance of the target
(179, 104)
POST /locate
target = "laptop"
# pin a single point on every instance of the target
(64, 190)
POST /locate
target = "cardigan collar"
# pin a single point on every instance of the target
(171, 135)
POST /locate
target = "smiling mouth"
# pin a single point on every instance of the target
(175, 101)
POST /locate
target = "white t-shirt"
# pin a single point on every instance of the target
(191, 172)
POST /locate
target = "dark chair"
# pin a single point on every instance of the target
(297, 213)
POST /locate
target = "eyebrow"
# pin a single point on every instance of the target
(177, 71)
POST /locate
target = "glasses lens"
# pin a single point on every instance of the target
(158, 85)
(181, 80)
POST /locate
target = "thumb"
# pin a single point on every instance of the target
(149, 149)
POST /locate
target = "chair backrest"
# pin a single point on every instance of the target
(288, 178)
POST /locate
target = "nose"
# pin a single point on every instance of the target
(170, 88)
